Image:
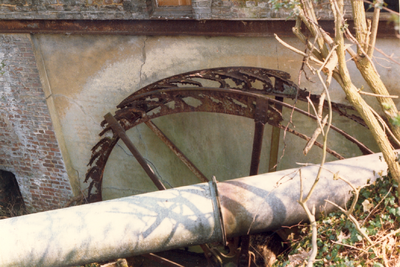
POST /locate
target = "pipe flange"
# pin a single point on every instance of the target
(217, 208)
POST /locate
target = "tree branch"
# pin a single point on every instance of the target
(297, 51)
(374, 32)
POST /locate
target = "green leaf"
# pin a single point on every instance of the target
(391, 210)
(386, 106)
(395, 120)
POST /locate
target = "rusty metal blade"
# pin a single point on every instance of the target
(121, 133)
(176, 151)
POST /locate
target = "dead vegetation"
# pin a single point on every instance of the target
(339, 241)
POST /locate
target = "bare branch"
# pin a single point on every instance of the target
(296, 50)
(297, 31)
(374, 32)
(321, 104)
(390, 234)
(315, 135)
(311, 218)
(389, 57)
(384, 125)
(356, 191)
(355, 41)
(376, 206)
(353, 220)
(313, 27)
(384, 8)
(360, 23)
(353, 247)
(375, 95)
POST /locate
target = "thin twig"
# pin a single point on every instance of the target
(302, 201)
(345, 245)
(311, 46)
(384, 253)
(376, 95)
(325, 138)
(354, 221)
(311, 23)
(296, 50)
(388, 235)
(349, 212)
(384, 125)
(302, 69)
(376, 206)
(311, 218)
(316, 114)
(352, 38)
(374, 31)
(315, 135)
(389, 57)
(384, 8)
(356, 192)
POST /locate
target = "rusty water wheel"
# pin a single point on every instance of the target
(254, 93)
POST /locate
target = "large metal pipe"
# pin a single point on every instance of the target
(175, 218)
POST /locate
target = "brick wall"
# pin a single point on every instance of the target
(28, 145)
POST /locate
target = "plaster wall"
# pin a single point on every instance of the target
(87, 76)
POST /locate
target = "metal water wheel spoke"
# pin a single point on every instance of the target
(260, 118)
(176, 151)
(254, 93)
(121, 134)
(275, 136)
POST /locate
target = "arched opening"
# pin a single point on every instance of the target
(11, 201)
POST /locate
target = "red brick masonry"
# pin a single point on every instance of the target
(28, 145)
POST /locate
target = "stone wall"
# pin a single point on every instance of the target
(147, 9)
(28, 145)
(73, 9)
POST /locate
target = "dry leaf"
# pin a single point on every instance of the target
(367, 206)
(391, 243)
(342, 236)
(296, 259)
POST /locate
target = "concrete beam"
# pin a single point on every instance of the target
(237, 28)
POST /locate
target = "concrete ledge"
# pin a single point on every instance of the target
(239, 28)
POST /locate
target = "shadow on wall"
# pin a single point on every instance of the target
(11, 201)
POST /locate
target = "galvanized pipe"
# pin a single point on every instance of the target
(175, 218)
(141, 224)
(269, 201)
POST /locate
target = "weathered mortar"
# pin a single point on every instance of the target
(28, 145)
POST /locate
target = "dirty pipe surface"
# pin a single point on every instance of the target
(173, 218)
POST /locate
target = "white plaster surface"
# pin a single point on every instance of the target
(90, 75)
